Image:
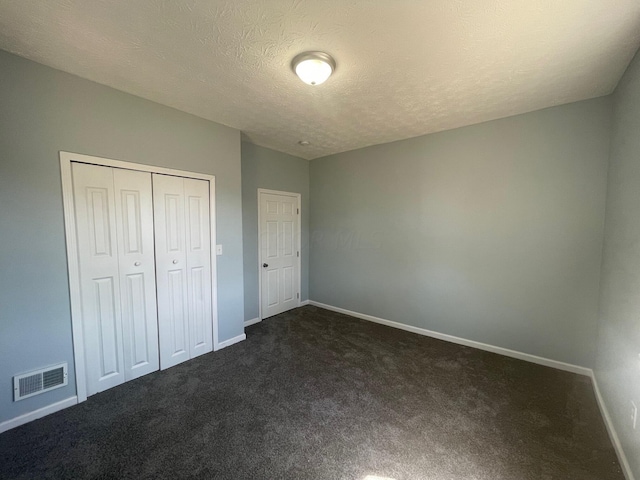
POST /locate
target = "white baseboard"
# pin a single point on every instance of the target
(622, 458)
(304, 302)
(231, 341)
(462, 341)
(39, 413)
(253, 321)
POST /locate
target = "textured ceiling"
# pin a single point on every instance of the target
(405, 67)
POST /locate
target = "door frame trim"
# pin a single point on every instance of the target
(298, 197)
(73, 264)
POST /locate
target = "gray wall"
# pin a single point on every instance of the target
(618, 365)
(265, 168)
(44, 111)
(491, 232)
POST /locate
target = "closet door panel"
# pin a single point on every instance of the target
(198, 242)
(134, 215)
(96, 230)
(171, 269)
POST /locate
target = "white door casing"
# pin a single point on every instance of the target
(68, 161)
(279, 255)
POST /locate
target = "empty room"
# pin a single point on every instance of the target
(295, 239)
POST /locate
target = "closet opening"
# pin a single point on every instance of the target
(142, 268)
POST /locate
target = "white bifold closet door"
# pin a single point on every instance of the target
(114, 225)
(183, 267)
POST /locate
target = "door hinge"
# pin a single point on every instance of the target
(297, 254)
(298, 211)
(297, 295)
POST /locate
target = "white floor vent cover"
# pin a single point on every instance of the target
(39, 381)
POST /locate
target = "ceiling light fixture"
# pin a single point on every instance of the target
(313, 68)
(304, 143)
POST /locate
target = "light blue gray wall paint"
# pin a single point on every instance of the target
(43, 111)
(618, 365)
(491, 232)
(265, 168)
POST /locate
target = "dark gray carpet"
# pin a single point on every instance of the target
(319, 395)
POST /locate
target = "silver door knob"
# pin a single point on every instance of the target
(175, 261)
(137, 264)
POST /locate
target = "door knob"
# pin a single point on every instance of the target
(265, 265)
(175, 261)
(137, 264)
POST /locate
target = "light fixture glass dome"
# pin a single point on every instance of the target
(313, 68)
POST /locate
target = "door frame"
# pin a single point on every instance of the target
(298, 198)
(73, 264)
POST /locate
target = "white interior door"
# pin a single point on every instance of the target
(114, 222)
(183, 268)
(198, 244)
(171, 269)
(278, 231)
(99, 277)
(136, 261)
(115, 228)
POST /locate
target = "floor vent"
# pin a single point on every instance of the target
(39, 381)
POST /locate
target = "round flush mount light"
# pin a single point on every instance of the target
(313, 68)
(304, 143)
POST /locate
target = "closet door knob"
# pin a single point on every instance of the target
(137, 264)
(175, 261)
(265, 265)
